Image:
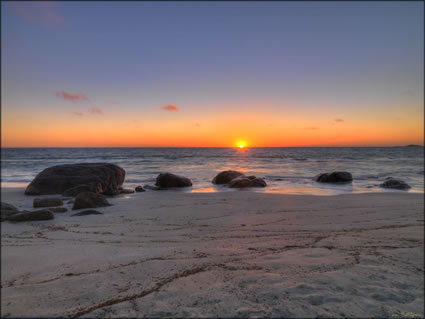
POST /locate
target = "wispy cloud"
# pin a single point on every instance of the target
(96, 110)
(40, 12)
(339, 120)
(78, 113)
(312, 128)
(170, 108)
(74, 97)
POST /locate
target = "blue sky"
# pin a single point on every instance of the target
(326, 57)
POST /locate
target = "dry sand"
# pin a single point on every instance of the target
(230, 254)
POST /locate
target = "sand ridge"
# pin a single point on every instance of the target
(230, 254)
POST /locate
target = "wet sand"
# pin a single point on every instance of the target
(229, 254)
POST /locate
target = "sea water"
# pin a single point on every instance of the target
(286, 170)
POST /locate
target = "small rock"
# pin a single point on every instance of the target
(88, 212)
(167, 180)
(42, 214)
(90, 200)
(258, 182)
(139, 189)
(126, 191)
(395, 184)
(226, 176)
(153, 188)
(70, 201)
(58, 209)
(47, 202)
(240, 182)
(7, 210)
(334, 177)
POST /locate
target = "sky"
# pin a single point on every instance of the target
(211, 74)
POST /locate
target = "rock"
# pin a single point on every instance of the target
(394, 184)
(58, 209)
(42, 214)
(7, 210)
(166, 180)
(89, 200)
(91, 187)
(240, 182)
(226, 176)
(139, 189)
(126, 191)
(70, 201)
(258, 182)
(87, 212)
(250, 181)
(60, 178)
(47, 202)
(334, 177)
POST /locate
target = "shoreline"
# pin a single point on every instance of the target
(219, 254)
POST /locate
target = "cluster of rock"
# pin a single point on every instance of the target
(90, 182)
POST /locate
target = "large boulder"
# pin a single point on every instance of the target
(90, 200)
(91, 187)
(226, 176)
(395, 184)
(42, 214)
(334, 177)
(7, 210)
(166, 180)
(47, 202)
(60, 178)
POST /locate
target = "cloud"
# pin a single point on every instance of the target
(339, 120)
(78, 113)
(39, 12)
(312, 128)
(197, 124)
(170, 108)
(74, 97)
(96, 110)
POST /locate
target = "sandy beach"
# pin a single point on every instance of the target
(228, 254)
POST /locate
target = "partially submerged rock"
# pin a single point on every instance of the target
(250, 181)
(334, 177)
(88, 212)
(7, 210)
(139, 189)
(395, 184)
(167, 180)
(90, 200)
(226, 176)
(60, 178)
(42, 214)
(47, 202)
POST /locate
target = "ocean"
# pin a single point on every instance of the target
(286, 170)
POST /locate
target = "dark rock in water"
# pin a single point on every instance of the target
(167, 180)
(139, 189)
(153, 188)
(58, 209)
(70, 201)
(243, 182)
(42, 214)
(58, 179)
(334, 177)
(126, 191)
(87, 212)
(394, 184)
(226, 176)
(90, 200)
(47, 202)
(7, 210)
(91, 187)
(240, 182)
(258, 182)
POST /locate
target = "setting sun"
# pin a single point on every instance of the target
(241, 144)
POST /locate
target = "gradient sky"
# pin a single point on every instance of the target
(212, 73)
